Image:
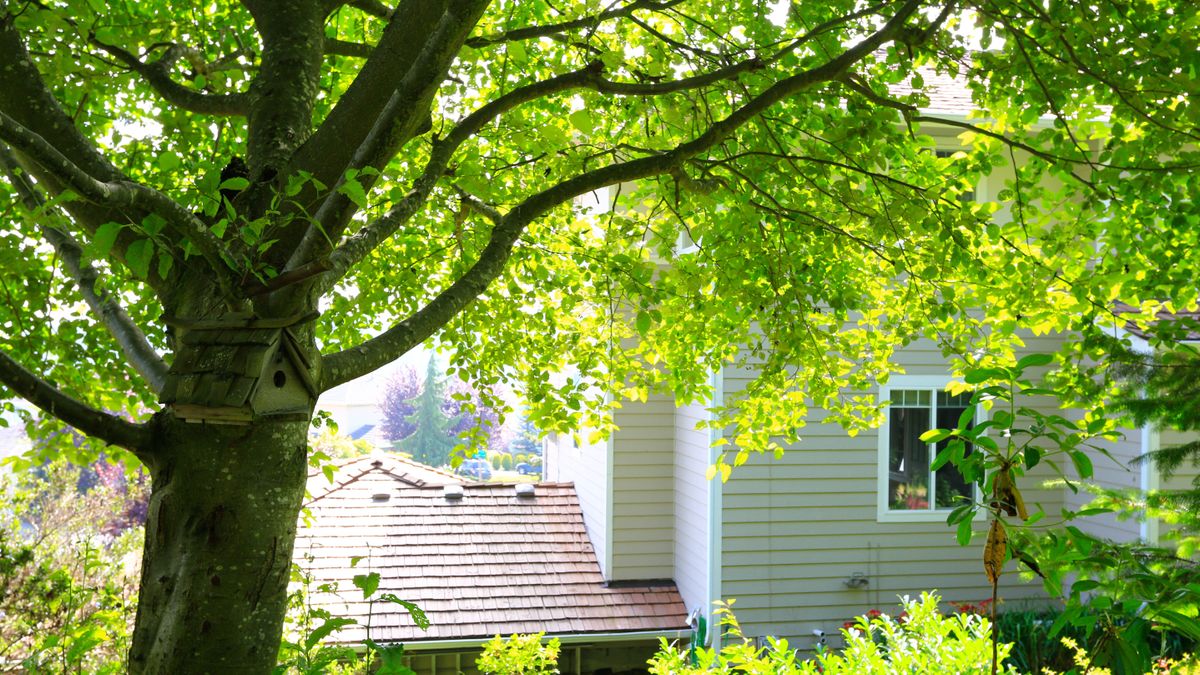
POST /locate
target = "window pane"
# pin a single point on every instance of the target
(908, 459)
(950, 488)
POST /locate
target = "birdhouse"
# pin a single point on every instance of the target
(233, 374)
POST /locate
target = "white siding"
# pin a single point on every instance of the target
(643, 490)
(691, 507)
(585, 465)
(795, 529)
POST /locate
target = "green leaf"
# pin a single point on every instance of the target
(354, 191)
(417, 614)
(944, 456)
(936, 435)
(165, 263)
(328, 627)
(643, 322)
(1033, 455)
(582, 120)
(138, 257)
(391, 659)
(168, 161)
(105, 237)
(1034, 361)
(1083, 464)
(236, 183)
(977, 375)
(963, 532)
(368, 583)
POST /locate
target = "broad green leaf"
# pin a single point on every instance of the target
(367, 583)
(138, 257)
(105, 237)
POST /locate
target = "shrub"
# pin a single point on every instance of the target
(519, 655)
(506, 462)
(923, 642)
(68, 572)
(496, 462)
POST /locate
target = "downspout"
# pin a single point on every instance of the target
(715, 490)
(1149, 481)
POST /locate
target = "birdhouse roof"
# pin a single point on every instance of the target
(222, 367)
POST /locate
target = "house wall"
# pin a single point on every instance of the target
(1115, 472)
(643, 490)
(795, 529)
(691, 507)
(569, 460)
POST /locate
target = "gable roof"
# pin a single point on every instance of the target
(404, 471)
(490, 563)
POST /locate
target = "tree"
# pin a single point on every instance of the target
(526, 441)
(209, 209)
(467, 414)
(397, 407)
(431, 440)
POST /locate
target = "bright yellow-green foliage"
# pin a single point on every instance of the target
(519, 655)
(920, 641)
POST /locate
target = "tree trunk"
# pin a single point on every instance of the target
(219, 537)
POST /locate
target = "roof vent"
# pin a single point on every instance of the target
(380, 497)
(525, 490)
(452, 492)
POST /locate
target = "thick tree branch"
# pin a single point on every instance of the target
(283, 93)
(396, 123)
(158, 76)
(25, 97)
(108, 428)
(119, 194)
(357, 361)
(131, 340)
(328, 151)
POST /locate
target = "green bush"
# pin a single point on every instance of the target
(506, 462)
(921, 641)
(497, 461)
(519, 655)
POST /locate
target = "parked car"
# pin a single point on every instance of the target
(526, 469)
(475, 468)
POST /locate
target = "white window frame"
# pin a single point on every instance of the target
(885, 514)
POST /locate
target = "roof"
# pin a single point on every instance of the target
(491, 563)
(948, 95)
(402, 470)
(1182, 326)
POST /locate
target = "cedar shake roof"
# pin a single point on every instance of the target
(490, 563)
(1186, 328)
(947, 94)
(406, 472)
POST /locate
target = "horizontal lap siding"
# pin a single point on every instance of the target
(587, 467)
(691, 507)
(795, 529)
(643, 499)
(1116, 472)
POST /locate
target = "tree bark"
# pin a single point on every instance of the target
(219, 535)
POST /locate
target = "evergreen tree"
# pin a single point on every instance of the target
(526, 441)
(1163, 388)
(431, 441)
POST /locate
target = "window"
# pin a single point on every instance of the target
(908, 488)
(965, 196)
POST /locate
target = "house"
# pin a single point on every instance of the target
(480, 560)
(837, 526)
